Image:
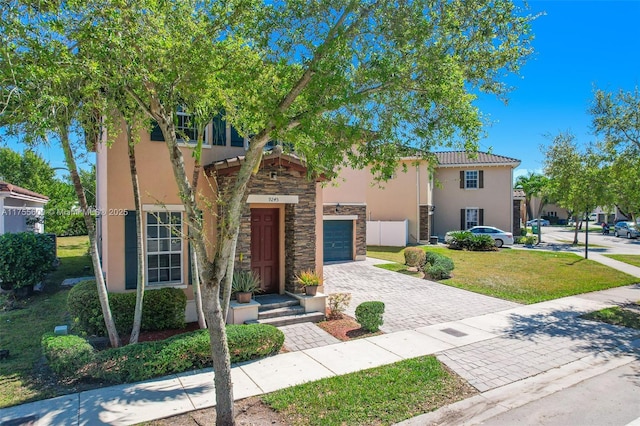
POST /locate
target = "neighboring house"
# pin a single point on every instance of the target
(21, 210)
(281, 225)
(550, 211)
(463, 191)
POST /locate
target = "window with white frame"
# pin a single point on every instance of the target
(164, 247)
(471, 179)
(186, 130)
(471, 219)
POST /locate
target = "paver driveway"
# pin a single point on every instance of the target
(409, 302)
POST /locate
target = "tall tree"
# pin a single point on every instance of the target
(46, 93)
(343, 82)
(616, 120)
(577, 180)
(616, 117)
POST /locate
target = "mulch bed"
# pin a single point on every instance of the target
(345, 328)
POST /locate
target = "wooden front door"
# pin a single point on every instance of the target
(265, 248)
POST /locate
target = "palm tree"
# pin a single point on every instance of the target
(532, 185)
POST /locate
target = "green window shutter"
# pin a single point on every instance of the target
(156, 133)
(481, 179)
(219, 131)
(236, 138)
(481, 217)
(130, 251)
(463, 219)
(461, 179)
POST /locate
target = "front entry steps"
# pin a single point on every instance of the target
(282, 309)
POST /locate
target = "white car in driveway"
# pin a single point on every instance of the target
(499, 236)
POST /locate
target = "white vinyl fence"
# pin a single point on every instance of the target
(388, 233)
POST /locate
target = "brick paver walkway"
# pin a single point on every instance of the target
(409, 302)
(298, 337)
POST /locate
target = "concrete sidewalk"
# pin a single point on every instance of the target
(500, 353)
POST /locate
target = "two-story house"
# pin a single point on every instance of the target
(281, 225)
(460, 191)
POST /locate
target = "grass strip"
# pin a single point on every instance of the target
(631, 259)
(381, 396)
(616, 316)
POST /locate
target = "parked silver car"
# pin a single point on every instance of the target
(543, 222)
(499, 236)
(626, 229)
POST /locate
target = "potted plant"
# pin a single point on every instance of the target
(310, 281)
(244, 285)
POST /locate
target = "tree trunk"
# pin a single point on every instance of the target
(103, 296)
(228, 281)
(140, 284)
(220, 355)
(213, 273)
(197, 290)
(195, 270)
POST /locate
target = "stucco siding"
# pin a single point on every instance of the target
(494, 198)
(396, 199)
(157, 187)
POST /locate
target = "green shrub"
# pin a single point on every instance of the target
(253, 341)
(84, 307)
(465, 240)
(184, 352)
(528, 240)
(337, 304)
(369, 315)
(481, 243)
(162, 309)
(414, 257)
(438, 267)
(25, 258)
(67, 354)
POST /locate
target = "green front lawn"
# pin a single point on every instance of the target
(23, 328)
(631, 259)
(518, 275)
(380, 396)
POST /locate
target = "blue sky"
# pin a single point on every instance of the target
(579, 45)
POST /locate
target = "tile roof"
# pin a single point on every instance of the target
(461, 158)
(518, 193)
(14, 189)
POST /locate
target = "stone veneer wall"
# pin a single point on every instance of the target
(299, 221)
(425, 232)
(361, 223)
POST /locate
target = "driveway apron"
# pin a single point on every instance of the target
(410, 302)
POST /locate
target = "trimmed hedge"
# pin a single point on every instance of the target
(369, 315)
(162, 309)
(414, 256)
(67, 354)
(146, 360)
